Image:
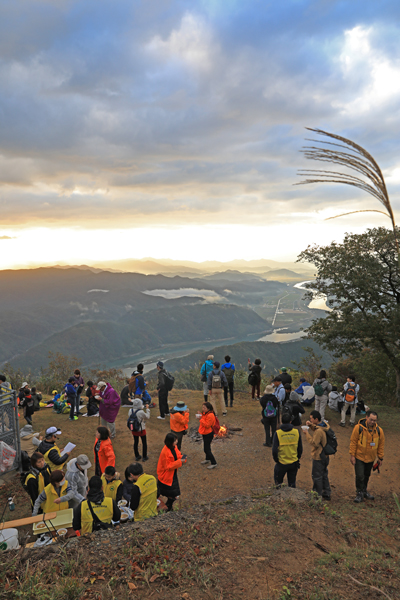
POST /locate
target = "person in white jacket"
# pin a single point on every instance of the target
(137, 417)
(77, 478)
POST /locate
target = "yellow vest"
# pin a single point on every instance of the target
(103, 511)
(40, 479)
(147, 485)
(110, 489)
(49, 505)
(52, 466)
(288, 442)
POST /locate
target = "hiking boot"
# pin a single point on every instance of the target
(145, 458)
(352, 424)
(359, 498)
(343, 424)
(368, 496)
(268, 445)
(138, 457)
(162, 418)
(205, 462)
(212, 467)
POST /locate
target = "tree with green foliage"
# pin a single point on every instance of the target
(361, 281)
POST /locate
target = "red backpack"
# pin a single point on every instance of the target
(216, 426)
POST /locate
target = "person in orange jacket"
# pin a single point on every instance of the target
(367, 445)
(179, 421)
(169, 462)
(207, 422)
(103, 451)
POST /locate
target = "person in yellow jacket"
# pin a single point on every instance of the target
(111, 484)
(96, 512)
(367, 445)
(320, 460)
(55, 496)
(179, 421)
(144, 493)
(287, 449)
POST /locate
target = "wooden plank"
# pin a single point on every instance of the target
(28, 521)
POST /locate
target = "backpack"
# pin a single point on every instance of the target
(133, 422)
(252, 378)
(318, 389)
(286, 410)
(216, 380)
(331, 443)
(350, 394)
(229, 373)
(269, 410)
(169, 381)
(216, 426)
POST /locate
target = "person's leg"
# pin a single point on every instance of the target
(317, 403)
(343, 415)
(359, 471)
(111, 427)
(291, 474)
(163, 403)
(253, 391)
(367, 473)
(279, 474)
(353, 414)
(267, 430)
(166, 408)
(136, 447)
(258, 388)
(317, 476)
(72, 410)
(169, 504)
(322, 406)
(220, 397)
(230, 386)
(179, 435)
(226, 396)
(273, 422)
(207, 448)
(205, 391)
(144, 446)
(326, 488)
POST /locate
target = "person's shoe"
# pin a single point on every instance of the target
(224, 414)
(70, 418)
(368, 496)
(162, 418)
(145, 458)
(138, 457)
(343, 424)
(75, 417)
(152, 405)
(326, 498)
(205, 462)
(267, 445)
(352, 424)
(127, 405)
(359, 498)
(212, 467)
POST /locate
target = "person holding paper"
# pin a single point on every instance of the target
(51, 452)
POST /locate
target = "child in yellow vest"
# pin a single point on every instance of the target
(111, 483)
(55, 496)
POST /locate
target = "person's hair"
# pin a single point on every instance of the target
(71, 379)
(322, 374)
(371, 412)
(33, 390)
(3, 378)
(134, 469)
(302, 379)
(109, 470)
(36, 456)
(169, 440)
(288, 387)
(257, 361)
(352, 377)
(77, 372)
(95, 483)
(209, 406)
(27, 391)
(334, 388)
(315, 415)
(56, 476)
(104, 433)
(277, 378)
(140, 367)
(286, 418)
(227, 358)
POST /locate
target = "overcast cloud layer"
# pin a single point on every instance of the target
(132, 113)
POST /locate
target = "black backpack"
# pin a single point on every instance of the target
(252, 378)
(287, 410)
(331, 442)
(133, 422)
(229, 374)
(169, 381)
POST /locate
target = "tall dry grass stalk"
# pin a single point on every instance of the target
(354, 157)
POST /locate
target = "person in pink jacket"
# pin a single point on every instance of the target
(109, 405)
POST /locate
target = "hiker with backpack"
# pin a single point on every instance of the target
(168, 464)
(269, 414)
(228, 369)
(209, 425)
(323, 444)
(205, 370)
(136, 423)
(321, 388)
(287, 448)
(254, 378)
(294, 408)
(350, 391)
(164, 385)
(216, 383)
(96, 512)
(367, 449)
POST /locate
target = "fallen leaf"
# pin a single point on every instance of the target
(289, 580)
(101, 577)
(153, 578)
(92, 580)
(132, 586)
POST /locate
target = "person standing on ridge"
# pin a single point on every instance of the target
(204, 372)
(228, 369)
(109, 406)
(269, 413)
(320, 461)
(367, 445)
(162, 391)
(321, 388)
(216, 383)
(350, 393)
(255, 377)
(287, 449)
(285, 377)
(179, 421)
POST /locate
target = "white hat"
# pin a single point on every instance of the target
(52, 431)
(101, 384)
(24, 384)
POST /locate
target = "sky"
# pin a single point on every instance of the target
(172, 129)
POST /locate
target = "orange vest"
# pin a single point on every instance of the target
(179, 421)
(167, 465)
(207, 423)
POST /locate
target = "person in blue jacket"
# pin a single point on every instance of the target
(229, 369)
(204, 372)
(72, 398)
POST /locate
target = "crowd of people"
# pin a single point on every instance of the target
(54, 481)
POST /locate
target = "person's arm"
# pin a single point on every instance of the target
(224, 379)
(76, 521)
(55, 458)
(275, 447)
(41, 498)
(67, 496)
(33, 488)
(203, 369)
(135, 497)
(353, 444)
(119, 492)
(381, 446)
(110, 455)
(36, 441)
(74, 487)
(301, 408)
(299, 448)
(209, 381)
(281, 395)
(116, 512)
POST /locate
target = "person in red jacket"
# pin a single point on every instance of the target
(207, 422)
(169, 462)
(103, 451)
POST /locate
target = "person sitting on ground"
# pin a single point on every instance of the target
(294, 406)
(51, 452)
(37, 478)
(92, 404)
(104, 455)
(77, 478)
(320, 460)
(334, 399)
(112, 485)
(126, 396)
(179, 421)
(29, 440)
(269, 414)
(137, 418)
(96, 512)
(287, 449)
(55, 495)
(255, 377)
(303, 384)
(167, 470)
(144, 493)
(127, 485)
(60, 404)
(285, 377)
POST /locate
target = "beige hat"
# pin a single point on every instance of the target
(101, 384)
(210, 357)
(269, 389)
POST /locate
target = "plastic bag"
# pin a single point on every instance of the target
(7, 457)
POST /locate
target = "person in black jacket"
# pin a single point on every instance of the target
(255, 374)
(162, 391)
(93, 404)
(284, 375)
(269, 413)
(296, 408)
(126, 397)
(37, 478)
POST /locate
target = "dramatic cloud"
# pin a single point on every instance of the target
(127, 115)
